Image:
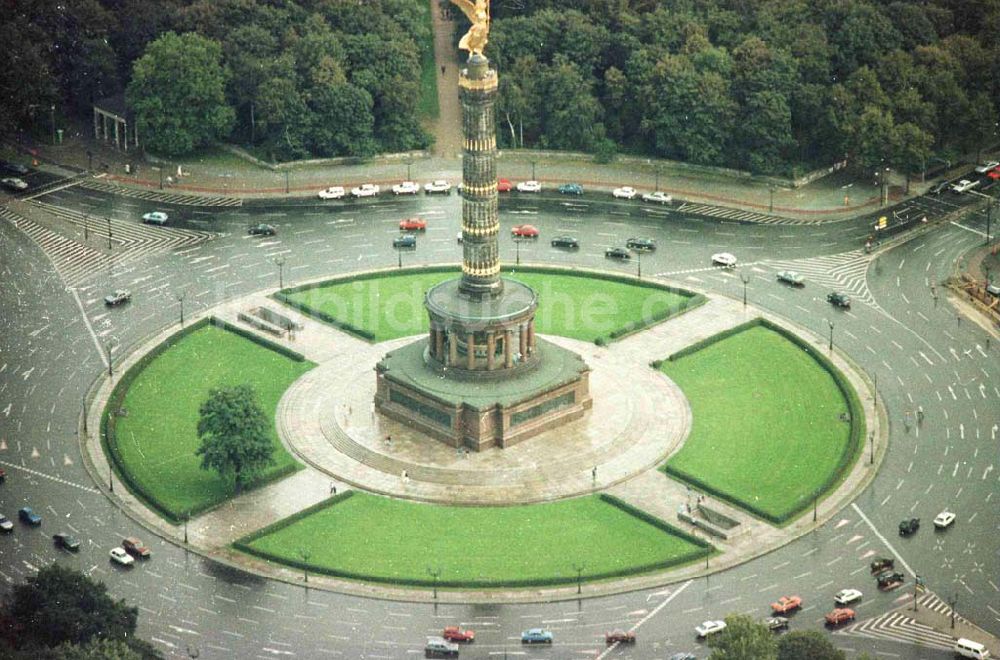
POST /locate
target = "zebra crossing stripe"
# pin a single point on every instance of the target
(181, 199)
(60, 480)
(897, 626)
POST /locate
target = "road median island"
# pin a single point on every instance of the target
(360, 536)
(596, 307)
(775, 425)
(149, 427)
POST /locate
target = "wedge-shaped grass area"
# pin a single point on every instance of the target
(576, 306)
(768, 430)
(157, 438)
(381, 539)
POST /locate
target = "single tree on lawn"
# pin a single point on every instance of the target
(233, 432)
(807, 645)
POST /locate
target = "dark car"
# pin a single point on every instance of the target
(880, 564)
(565, 242)
(119, 297)
(571, 189)
(66, 541)
(890, 580)
(940, 188)
(16, 168)
(641, 244)
(407, 241)
(617, 253)
(29, 517)
(619, 636)
(838, 299)
(908, 527)
(262, 230)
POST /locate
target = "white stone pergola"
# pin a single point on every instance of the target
(112, 121)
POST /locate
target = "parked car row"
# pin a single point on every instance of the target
(438, 186)
(443, 186)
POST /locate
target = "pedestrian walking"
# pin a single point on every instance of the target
(920, 414)
(333, 488)
(442, 70)
(593, 473)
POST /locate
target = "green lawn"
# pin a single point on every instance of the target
(766, 430)
(158, 436)
(573, 306)
(383, 539)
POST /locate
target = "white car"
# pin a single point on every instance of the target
(845, 596)
(658, 197)
(459, 237)
(983, 169)
(14, 183)
(710, 628)
(406, 188)
(334, 192)
(625, 192)
(724, 259)
(365, 190)
(5, 524)
(964, 185)
(155, 218)
(119, 555)
(529, 186)
(944, 519)
(437, 186)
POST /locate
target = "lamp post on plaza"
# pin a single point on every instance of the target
(180, 298)
(434, 573)
(770, 203)
(533, 170)
(286, 182)
(52, 114)
(579, 576)
(830, 323)
(109, 233)
(280, 263)
(409, 161)
(746, 280)
(517, 250)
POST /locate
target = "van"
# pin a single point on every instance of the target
(439, 647)
(966, 648)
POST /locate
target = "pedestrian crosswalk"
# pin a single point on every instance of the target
(847, 271)
(160, 196)
(76, 261)
(740, 215)
(899, 626)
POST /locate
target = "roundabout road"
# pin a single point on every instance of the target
(55, 341)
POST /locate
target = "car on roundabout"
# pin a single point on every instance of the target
(529, 187)
(839, 615)
(134, 547)
(724, 259)
(786, 604)
(987, 167)
(438, 647)
(619, 636)
(14, 183)
(5, 524)
(624, 192)
(437, 186)
(570, 189)
(880, 564)
(708, 628)
(536, 636)
(406, 188)
(333, 192)
(776, 622)
(65, 541)
(458, 634)
(944, 520)
(29, 517)
(118, 297)
(890, 580)
(791, 278)
(845, 596)
(839, 299)
(617, 253)
(641, 244)
(262, 229)
(565, 242)
(504, 185)
(413, 224)
(155, 218)
(407, 241)
(16, 168)
(909, 526)
(524, 231)
(658, 197)
(365, 190)
(119, 556)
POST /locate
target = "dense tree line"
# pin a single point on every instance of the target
(762, 85)
(312, 77)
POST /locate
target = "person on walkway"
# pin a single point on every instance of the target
(593, 473)
(333, 489)
(442, 69)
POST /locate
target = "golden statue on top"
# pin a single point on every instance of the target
(479, 14)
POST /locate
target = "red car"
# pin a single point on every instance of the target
(134, 547)
(786, 604)
(456, 634)
(525, 231)
(619, 635)
(504, 185)
(839, 616)
(413, 224)
(994, 173)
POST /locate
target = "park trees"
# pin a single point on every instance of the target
(178, 94)
(807, 645)
(743, 639)
(234, 435)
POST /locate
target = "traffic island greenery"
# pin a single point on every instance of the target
(367, 537)
(594, 307)
(774, 424)
(149, 427)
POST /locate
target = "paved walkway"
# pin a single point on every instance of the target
(447, 140)
(625, 448)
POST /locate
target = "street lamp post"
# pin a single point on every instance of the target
(434, 573)
(871, 444)
(90, 160)
(109, 233)
(952, 602)
(52, 114)
(409, 161)
(638, 257)
(830, 323)
(187, 516)
(160, 170)
(579, 576)
(533, 170)
(286, 182)
(111, 371)
(657, 179)
(86, 226)
(280, 263)
(517, 250)
(305, 564)
(180, 299)
(399, 255)
(746, 280)
(989, 213)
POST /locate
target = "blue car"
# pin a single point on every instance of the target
(29, 517)
(571, 189)
(536, 636)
